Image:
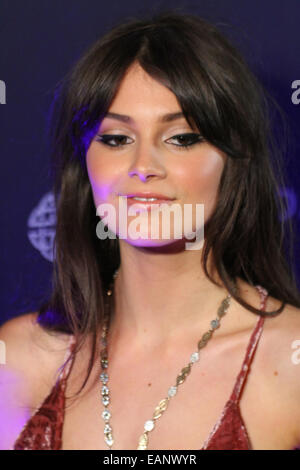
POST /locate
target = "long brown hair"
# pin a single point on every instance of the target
(247, 233)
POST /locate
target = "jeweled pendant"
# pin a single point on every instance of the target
(109, 440)
(194, 357)
(105, 400)
(106, 415)
(149, 425)
(104, 378)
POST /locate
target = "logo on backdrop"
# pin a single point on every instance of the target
(41, 226)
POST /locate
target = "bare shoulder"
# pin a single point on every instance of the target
(32, 353)
(279, 354)
(30, 358)
(282, 360)
(283, 336)
(281, 331)
(26, 340)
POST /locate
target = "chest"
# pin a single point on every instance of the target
(137, 388)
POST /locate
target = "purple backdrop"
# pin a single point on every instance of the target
(40, 40)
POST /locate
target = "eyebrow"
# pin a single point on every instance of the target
(162, 118)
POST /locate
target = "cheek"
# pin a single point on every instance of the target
(202, 179)
(101, 173)
(94, 165)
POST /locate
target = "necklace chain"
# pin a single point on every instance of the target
(163, 404)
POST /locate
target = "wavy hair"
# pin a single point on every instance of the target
(247, 233)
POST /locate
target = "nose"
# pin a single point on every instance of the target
(147, 162)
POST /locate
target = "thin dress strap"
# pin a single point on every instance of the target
(241, 378)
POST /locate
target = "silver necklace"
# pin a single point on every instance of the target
(162, 406)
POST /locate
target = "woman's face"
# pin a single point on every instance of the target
(144, 153)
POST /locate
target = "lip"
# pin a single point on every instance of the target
(143, 205)
(148, 195)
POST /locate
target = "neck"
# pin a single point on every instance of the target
(162, 301)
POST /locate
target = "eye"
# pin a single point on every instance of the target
(106, 138)
(187, 140)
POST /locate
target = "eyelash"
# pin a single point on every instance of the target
(103, 139)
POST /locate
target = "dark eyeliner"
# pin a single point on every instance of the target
(196, 140)
(105, 138)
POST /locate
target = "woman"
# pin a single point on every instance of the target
(162, 108)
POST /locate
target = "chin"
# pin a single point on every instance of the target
(159, 245)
